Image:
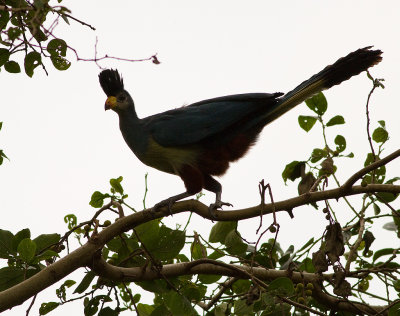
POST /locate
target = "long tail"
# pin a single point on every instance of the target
(343, 69)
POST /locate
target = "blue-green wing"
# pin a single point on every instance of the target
(193, 123)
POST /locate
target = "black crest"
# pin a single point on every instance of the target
(111, 82)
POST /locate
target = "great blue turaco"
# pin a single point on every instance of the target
(198, 141)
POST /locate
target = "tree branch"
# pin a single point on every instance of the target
(208, 266)
(85, 255)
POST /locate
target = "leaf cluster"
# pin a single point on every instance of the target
(25, 28)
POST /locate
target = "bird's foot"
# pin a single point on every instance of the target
(215, 206)
(167, 202)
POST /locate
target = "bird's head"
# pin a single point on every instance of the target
(118, 99)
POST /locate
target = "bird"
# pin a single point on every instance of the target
(199, 141)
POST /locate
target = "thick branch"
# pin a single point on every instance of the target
(207, 266)
(286, 205)
(358, 175)
(84, 255)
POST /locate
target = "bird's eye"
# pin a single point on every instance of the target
(121, 98)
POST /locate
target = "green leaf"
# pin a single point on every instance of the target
(13, 33)
(198, 250)
(22, 234)
(47, 254)
(57, 47)
(46, 240)
(307, 266)
(382, 123)
(4, 19)
(386, 196)
(92, 306)
(220, 230)
(2, 155)
(69, 283)
(97, 199)
(4, 54)
(144, 309)
(194, 292)
(396, 285)
(47, 307)
(380, 135)
(116, 185)
(396, 221)
(209, 278)
(10, 276)
(370, 159)
(336, 120)
(71, 219)
(377, 209)
(234, 244)
(170, 243)
(32, 60)
(60, 63)
(383, 252)
(6, 244)
(394, 310)
(317, 154)
(241, 286)
(178, 305)
(155, 286)
(27, 250)
(242, 309)
(108, 311)
(318, 103)
(307, 122)
(12, 67)
(283, 286)
(393, 180)
(216, 255)
(87, 279)
(1, 125)
(148, 232)
(293, 170)
(221, 310)
(340, 142)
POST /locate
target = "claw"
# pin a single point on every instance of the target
(168, 203)
(214, 206)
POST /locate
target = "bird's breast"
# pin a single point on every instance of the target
(169, 159)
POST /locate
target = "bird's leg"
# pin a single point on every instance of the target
(193, 180)
(213, 185)
(169, 202)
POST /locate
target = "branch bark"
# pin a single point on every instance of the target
(85, 255)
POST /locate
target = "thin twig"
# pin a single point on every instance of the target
(356, 176)
(77, 20)
(31, 305)
(131, 297)
(227, 284)
(298, 305)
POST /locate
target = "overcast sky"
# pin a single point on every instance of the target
(63, 146)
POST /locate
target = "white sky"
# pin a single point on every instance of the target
(63, 146)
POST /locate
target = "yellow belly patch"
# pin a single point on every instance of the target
(169, 159)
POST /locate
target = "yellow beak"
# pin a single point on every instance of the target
(111, 102)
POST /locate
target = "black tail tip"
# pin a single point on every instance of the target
(111, 82)
(351, 65)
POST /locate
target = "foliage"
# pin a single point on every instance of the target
(342, 254)
(27, 27)
(28, 30)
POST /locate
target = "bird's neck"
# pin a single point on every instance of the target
(133, 133)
